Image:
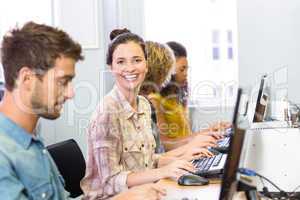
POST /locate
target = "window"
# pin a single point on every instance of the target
(15, 12)
(208, 29)
(215, 44)
(229, 42)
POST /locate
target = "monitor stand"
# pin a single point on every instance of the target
(250, 191)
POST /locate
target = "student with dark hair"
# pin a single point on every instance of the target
(171, 128)
(178, 49)
(161, 65)
(170, 104)
(179, 78)
(178, 85)
(121, 146)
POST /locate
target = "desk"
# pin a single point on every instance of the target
(206, 192)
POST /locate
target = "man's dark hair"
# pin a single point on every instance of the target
(35, 46)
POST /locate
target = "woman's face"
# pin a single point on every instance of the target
(129, 66)
(181, 71)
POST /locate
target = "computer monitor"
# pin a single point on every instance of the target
(258, 102)
(214, 166)
(229, 179)
(261, 102)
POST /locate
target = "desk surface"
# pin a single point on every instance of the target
(206, 192)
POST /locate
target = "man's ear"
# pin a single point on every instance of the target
(25, 78)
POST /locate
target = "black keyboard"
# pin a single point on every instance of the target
(228, 132)
(204, 164)
(224, 142)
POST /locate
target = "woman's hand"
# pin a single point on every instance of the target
(220, 126)
(193, 153)
(217, 130)
(176, 169)
(202, 141)
(215, 134)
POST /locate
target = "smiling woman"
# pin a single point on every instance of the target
(128, 67)
(121, 145)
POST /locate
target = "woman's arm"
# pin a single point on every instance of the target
(147, 176)
(187, 152)
(105, 176)
(106, 147)
(171, 144)
(173, 170)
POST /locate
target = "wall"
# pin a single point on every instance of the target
(89, 83)
(269, 39)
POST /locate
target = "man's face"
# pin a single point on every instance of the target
(53, 89)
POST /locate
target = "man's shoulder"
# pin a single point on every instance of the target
(7, 144)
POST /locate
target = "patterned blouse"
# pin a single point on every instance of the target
(120, 141)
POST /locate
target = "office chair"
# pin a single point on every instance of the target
(1, 90)
(70, 163)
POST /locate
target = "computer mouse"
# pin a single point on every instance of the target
(191, 179)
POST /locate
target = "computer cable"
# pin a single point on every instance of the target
(249, 172)
(265, 191)
(294, 104)
(295, 190)
(294, 193)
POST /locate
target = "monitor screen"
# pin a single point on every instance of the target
(261, 102)
(257, 103)
(229, 180)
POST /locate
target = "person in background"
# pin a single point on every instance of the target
(181, 71)
(180, 85)
(160, 62)
(121, 146)
(39, 64)
(161, 66)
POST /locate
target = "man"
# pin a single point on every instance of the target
(39, 65)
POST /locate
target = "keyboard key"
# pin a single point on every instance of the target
(209, 163)
(217, 160)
